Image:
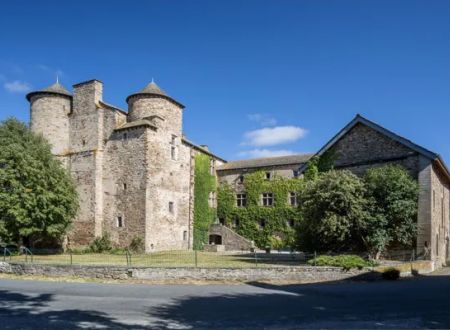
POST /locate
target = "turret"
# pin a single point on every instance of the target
(49, 112)
(152, 102)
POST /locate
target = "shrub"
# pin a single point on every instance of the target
(345, 261)
(391, 274)
(137, 244)
(333, 209)
(101, 244)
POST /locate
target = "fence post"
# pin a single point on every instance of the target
(195, 258)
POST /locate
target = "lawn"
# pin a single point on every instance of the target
(166, 259)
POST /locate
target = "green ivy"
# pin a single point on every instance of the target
(277, 217)
(203, 214)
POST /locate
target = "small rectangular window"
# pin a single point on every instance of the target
(268, 175)
(241, 200)
(262, 223)
(171, 207)
(119, 222)
(222, 221)
(173, 152)
(241, 179)
(293, 198)
(267, 199)
(212, 199)
(125, 136)
(173, 140)
(235, 223)
(212, 166)
(185, 235)
(124, 186)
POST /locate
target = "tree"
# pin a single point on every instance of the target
(38, 199)
(333, 210)
(392, 195)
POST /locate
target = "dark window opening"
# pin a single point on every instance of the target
(241, 200)
(171, 207)
(267, 199)
(262, 223)
(119, 222)
(215, 239)
(268, 175)
(293, 198)
(241, 179)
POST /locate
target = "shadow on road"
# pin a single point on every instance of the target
(422, 302)
(18, 311)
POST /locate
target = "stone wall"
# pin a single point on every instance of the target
(50, 117)
(231, 240)
(124, 184)
(299, 273)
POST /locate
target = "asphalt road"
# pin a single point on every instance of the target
(414, 303)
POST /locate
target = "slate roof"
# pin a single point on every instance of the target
(201, 149)
(56, 88)
(153, 89)
(137, 123)
(266, 162)
(408, 143)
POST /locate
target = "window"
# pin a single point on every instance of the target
(119, 221)
(212, 166)
(173, 153)
(296, 173)
(267, 199)
(262, 223)
(124, 186)
(212, 199)
(434, 199)
(222, 221)
(290, 223)
(83, 142)
(293, 198)
(171, 207)
(268, 175)
(173, 140)
(235, 223)
(185, 235)
(125, 136)
(241, 200)
(241, 179)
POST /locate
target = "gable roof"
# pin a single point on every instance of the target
(265, 162)
(408, 143)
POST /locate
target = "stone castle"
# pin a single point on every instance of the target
(134, 170)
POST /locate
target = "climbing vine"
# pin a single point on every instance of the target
(272, 226)
(204, 215)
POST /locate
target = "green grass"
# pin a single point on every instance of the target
(166, 259)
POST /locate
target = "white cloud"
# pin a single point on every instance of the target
(271, 136)
(17, 86)
(261, 153)
(263, 119)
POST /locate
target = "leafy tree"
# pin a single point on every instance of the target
(320, 164)
(393, 195)
(333, 210)
(37, 196)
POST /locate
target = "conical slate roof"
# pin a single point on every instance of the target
(153, 89)
(56, 88)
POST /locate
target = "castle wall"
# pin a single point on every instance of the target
(124, 182)
(50, 117)
(86, 160)
(168, 181)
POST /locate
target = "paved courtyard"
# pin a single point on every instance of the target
(422, 302)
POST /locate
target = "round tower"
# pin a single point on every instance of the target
(152, 102)
(49, 112)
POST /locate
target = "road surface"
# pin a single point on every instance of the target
(414, 303)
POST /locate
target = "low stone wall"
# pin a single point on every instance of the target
(299, 273)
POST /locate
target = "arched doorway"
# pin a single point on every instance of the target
(215, 239)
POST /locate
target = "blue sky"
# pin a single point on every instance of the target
(257, 77)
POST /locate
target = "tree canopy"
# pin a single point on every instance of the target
(38, 199)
